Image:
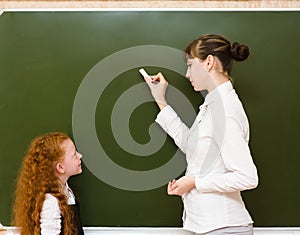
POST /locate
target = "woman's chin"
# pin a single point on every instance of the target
(196, 89)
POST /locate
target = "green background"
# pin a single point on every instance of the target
(44, 56)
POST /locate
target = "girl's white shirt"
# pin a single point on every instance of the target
(51, 213)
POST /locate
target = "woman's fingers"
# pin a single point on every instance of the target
(158, 86)
(172, 187)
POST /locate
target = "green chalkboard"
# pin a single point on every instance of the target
(77, 72)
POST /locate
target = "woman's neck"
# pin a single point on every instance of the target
(217, 79)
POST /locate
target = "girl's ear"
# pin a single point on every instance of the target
(59, 167)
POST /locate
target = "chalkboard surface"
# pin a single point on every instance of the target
(64, 71)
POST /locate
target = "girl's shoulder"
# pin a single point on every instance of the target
(50, 201)
(50, 197)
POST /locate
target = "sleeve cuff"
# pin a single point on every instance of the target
(201, 185)
(165, 115)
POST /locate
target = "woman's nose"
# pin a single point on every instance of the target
(79, 155)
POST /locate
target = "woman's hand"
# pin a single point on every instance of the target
(158, 87)
(181, 186)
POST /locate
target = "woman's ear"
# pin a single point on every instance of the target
(59, 168)
(210, 60)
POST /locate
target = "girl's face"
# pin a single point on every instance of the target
(71, 162)
(197, 74)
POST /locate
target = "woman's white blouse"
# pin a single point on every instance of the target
(218, 155)
(51, 213)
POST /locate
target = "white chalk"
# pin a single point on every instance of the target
(145, 74)
(9, 228)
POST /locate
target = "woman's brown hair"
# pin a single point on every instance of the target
(219, 46)
(36, 178)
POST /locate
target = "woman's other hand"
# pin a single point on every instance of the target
(181, 186)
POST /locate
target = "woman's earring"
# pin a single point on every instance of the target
(208, 69)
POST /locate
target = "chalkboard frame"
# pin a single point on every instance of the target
(260, 95)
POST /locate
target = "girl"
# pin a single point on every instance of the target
(44, 203)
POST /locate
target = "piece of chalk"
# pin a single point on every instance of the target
(145, 74)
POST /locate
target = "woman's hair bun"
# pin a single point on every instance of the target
(239, 52)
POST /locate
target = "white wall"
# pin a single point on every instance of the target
(33, 4)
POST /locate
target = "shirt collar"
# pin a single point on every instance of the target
(69, 193)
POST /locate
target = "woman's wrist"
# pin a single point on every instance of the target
(162, 105)
(191, 180)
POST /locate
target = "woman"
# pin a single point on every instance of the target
(219, 163)
(44, 203)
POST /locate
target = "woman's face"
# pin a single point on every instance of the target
(71, 161)
(197, 74)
